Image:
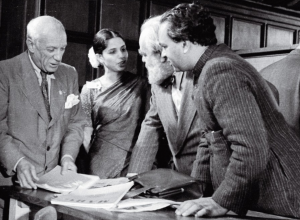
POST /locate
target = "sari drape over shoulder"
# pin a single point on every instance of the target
(115, 115)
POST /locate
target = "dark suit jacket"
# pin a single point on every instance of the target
(182, 132)
(285, 76)
(25, 130)
(252, 156)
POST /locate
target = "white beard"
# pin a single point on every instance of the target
(158, 73)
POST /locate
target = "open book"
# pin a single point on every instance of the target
(105, 197)
(55, 182)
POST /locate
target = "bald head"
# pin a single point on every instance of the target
(42, 26)
(46, 42)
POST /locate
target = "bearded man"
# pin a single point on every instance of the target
(171, 110)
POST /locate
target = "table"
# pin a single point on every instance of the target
(37, 199)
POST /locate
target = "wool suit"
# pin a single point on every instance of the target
(25, 130)
(251, 158)
(182, 131)
(285, 76)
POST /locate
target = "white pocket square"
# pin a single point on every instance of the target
(71, 101)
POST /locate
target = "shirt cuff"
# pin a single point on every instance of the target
(131, 175)
(15, 167)
(67, 155)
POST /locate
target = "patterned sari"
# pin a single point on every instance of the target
(115, 115)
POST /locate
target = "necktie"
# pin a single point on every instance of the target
(44, 87)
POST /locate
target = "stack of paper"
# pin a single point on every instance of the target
(143, 204)
(55, 182)
(105, 197)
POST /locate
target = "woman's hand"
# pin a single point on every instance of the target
(201, 207)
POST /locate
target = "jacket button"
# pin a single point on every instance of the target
(46, 168)
(192, 97)
(48, 148)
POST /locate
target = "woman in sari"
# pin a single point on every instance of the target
(114, 104)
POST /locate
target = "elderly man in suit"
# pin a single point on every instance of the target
(171, 110)
(41, 121)
(251, 158)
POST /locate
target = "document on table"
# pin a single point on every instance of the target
(105, 197)
(142, 205)
(110, 182)
(56, 182)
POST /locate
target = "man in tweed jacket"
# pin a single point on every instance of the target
(180, 123)
(251, 158)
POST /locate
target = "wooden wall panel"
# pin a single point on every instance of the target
(261, 62)
(78, 17)
(15, 16)
(158, 9)
(245, 34)
(132, 61)
(0, 11)
(122, 16)
(220, 23)
(76, 55)
(72, 13)
(277, 36)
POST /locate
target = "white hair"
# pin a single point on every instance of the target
(149, 33)
(43, 25)
(158, 71)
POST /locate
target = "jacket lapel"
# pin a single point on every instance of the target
(169, 116)
(187, 113)
(31, 87)
(58, 97)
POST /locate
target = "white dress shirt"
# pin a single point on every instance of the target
(177, 89)
(38, 74)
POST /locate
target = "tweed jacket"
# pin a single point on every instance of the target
(25, 130)
(285, 76)
(252, 156)
(182, 132)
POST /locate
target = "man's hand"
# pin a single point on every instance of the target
(68, 164)
(201, 207)
(26, 174)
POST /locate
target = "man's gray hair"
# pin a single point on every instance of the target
(42, 25)
(149, 33)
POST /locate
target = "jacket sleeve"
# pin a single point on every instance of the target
(146, 147)
(201, 165)
(9, 146)
(73, 137)
(230, 95)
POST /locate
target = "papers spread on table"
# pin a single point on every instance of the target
(105, 197)
(110, 182)
(56, 182)
(143, 204)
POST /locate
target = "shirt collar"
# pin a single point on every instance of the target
(38, 70)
